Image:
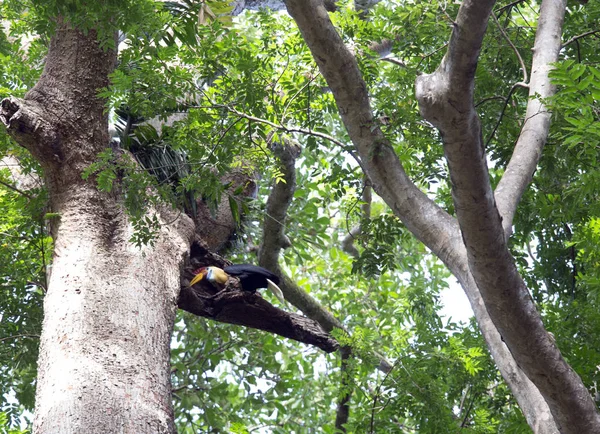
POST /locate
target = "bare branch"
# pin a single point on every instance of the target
(274, 239)
(509, 6)
(337, 64)
(16, 190)
(372, 431)
(521, 62)
(422, 217)
(6, 338)
(578, 37)
(234, 306)
(528, 149)
(506, 101)
(288, 129)
(446, 99)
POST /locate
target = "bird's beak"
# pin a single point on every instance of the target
(198, 277)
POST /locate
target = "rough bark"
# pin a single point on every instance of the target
(422, 217)
(232, 305)
(109, 309)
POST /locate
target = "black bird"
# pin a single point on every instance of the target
(251, 277)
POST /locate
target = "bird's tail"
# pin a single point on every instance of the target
(276, 290)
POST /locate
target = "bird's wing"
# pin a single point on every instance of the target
(240, 269)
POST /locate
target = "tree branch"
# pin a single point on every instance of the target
(528, 150)
(446, 99)
(288, 129)
(232, 305)
(423, 218)
(274, 239)
(389, 180)
(578, 37)
(348, 241)
(16, 190)
(346, 387)
(521, 62)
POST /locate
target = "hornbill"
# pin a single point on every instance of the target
(251, 277)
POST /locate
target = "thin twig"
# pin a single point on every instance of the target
(508, 6)
(425, 56)
(394, 61)
(583, 35)
(294, 130)
(15, 189)
(523, 67)
(377, 394)
(293, 97)
(19, 336)
(512, 89)
(490, 98)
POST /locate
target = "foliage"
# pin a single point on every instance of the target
(25, 245)
(4, 426)
(227, 88)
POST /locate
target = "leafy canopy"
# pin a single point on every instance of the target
(226, 87)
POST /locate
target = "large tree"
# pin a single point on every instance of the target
(126, 232)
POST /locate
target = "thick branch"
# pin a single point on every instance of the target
(445, 99)
(429, 224)
(534, 133)
(532, 404)
(235, 306)
(232, 305)
(274, 239)
(348, 241)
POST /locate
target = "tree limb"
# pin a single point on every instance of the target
(379, 161)
(15, 189)
(528, 150)
(576, 38)
(274, 239)
(423, 218)
(521, 62)
(348, 241)
(346, 387)
(232, 305)
(446, 99)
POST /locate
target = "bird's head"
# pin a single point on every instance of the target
(212, 274)
(200, 273)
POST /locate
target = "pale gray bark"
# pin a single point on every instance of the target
(109, 310)
(528, 149)
(446, 100)
(454, 114)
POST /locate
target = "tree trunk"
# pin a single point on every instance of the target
(110, 307)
